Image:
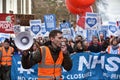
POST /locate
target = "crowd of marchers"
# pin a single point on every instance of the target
(110, 45)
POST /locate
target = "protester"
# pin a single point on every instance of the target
(34, 47)
(69, 45)
(40, 41)
(95, 46)
(105, 44)
(50, 58)
(85, 45)
(114, 48)
(78, 47)
(78, 37)
(6, 60)
(101, 38)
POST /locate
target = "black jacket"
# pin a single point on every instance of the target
(95, 48)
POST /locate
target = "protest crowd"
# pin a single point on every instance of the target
(59, 48)
(79, 44)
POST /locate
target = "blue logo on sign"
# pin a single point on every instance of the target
(112, 28)
(65, 25)
(35, 29)
(91, 21)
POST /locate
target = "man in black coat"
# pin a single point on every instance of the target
(55, 48)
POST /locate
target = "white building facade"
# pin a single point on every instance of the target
(16, 6)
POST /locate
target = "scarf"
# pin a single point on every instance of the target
(115, 47)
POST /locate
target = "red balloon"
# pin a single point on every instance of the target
(74, 3)
(85, 3)
(73, 9)
(81, 3)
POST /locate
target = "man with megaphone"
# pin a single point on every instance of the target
(50, 58)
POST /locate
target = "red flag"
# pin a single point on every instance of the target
(81, 22)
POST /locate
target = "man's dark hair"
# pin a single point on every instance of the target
(53, 33)
(7, 40)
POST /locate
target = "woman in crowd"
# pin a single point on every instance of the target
(35, 47)
(114, 47)
(78, 47)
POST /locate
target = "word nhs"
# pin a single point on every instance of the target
(91, 62)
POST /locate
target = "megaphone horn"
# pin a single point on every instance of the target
(24, 40)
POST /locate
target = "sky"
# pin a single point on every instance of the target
(114, 8)
(109, 10)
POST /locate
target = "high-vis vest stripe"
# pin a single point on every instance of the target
(6, 56)
(47, 68)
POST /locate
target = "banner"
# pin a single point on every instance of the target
(50, 22)
(86, 66)
(93, 66)
(19, 73)
(6, 23)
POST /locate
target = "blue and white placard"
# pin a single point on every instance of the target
(112, 30)
(3, 36)
(50, 22)
(91, 21)
(43, 28)
(65, 25)
(65, 28)
(90, 34)
(35, 26)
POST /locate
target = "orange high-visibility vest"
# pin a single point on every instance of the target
(48, 69)
(109, 50)
(6, 56)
